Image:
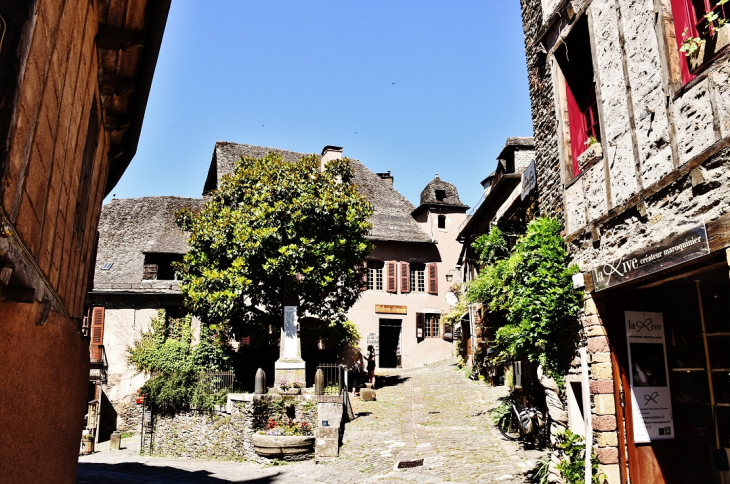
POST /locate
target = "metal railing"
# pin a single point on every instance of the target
(214, 382)
(99, 364)
(333, 378)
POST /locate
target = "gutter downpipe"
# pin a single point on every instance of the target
(586, 414)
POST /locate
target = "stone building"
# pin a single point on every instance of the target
(411, 269)
(133, 279)
(410, 273)
(509, 201)
(74, 82)
(632, 153)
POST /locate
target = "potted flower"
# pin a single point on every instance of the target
(288, 388)
(87, 443)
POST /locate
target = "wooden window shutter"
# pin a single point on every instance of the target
(97, 332)
(433, 283)
(683, 19)
(405, 275)
(392, 285)
(420, 322)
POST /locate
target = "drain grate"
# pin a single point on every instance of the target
(407, 464)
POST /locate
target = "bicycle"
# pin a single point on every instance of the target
(526, 424)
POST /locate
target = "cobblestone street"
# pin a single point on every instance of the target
(431, 413)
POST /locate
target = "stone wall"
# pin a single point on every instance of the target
(224, 434)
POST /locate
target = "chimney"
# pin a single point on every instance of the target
(387, 177)
(329, 153)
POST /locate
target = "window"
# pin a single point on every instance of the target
(431, 326)
(418, 277)
(158, 266)
(575, 66)
(442, 221)
(375, 275)
(690, 15)
(440, 195)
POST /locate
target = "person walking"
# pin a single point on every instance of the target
(370, 358)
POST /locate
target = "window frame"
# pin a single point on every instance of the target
(417, 277)
(431, 322)
(375, 280)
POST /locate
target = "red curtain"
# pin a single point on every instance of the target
(682, 19)
(578, 136)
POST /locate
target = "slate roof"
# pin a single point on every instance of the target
(428, 195)
(130, 227)
(392, 220)
(226, 154)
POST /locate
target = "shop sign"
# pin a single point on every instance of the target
(372, 339)
(651, 399)
(388, 309)
(677, 250)
(529, 180)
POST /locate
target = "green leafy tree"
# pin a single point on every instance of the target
(275, 234)
(531, 294)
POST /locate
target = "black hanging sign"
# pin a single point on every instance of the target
(669, 253)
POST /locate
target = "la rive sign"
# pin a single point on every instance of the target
(677, 250)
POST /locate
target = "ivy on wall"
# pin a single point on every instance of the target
(529, 293)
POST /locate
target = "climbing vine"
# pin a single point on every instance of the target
(167, 352)
(529, 291)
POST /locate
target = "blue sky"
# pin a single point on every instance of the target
(415, 87)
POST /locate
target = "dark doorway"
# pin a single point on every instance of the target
(390, 343)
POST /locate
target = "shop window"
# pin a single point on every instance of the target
(375, 275)
(418, 277)
(690, 21)
(442, 221)
(578, 101)
(159, 266)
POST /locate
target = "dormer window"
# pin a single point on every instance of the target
(440, 195)
(158, 266)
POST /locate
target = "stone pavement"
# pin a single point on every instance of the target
(431, 413)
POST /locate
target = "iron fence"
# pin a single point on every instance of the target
(214, 382)
(334, 380)
(99, 365)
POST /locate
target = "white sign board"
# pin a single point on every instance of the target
(529, 180)
(372, 339)
(651, 399)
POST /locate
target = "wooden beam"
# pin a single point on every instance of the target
(116, 123)
(116, 85)
(114, 38)
(718, 233)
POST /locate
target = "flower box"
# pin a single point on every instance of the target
(282, 446)
(709, 49)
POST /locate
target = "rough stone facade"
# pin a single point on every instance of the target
(665, 164)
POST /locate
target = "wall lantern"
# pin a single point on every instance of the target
(449, 276)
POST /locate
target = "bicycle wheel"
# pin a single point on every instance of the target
(509, 426)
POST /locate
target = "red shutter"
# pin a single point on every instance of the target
(420, 320)
(433, 283)
(578, 136)
(392, 285)
(97, 332)
(405, 281)
(682, 20)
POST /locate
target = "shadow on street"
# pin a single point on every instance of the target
(135, 472)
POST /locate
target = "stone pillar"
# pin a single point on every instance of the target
(329, 420)
(290, 366)
(603, 415)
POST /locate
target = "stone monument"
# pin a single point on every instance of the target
(290, 366)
